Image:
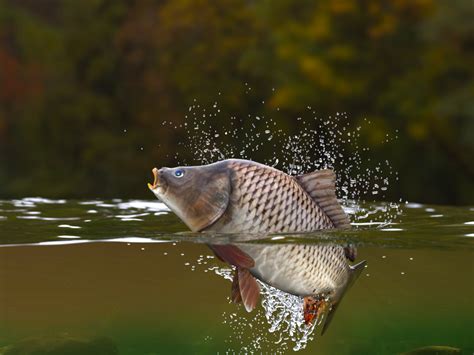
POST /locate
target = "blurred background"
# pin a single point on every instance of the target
(86, 85)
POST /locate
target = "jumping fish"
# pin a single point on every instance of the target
(241, 196)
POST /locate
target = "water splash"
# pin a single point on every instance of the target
(280, 321)
(285, 316)
(314, 143)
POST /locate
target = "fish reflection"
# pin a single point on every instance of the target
(320, 274)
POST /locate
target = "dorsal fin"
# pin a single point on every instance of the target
(321, 186)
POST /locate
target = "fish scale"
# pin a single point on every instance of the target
(300, 269)
(268, 201)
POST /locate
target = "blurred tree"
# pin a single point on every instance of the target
(85, 86)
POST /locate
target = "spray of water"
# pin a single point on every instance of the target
(278, 326)
(314, 143)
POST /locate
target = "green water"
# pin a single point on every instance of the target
(125, 277)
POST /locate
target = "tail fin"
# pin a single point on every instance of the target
(355, 272)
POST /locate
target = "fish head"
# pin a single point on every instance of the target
(198, 195)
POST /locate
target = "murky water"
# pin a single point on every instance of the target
(125, 277)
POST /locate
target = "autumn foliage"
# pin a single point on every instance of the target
(75, 74)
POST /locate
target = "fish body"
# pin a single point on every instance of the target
(300, 269)
(266, 200)
(241, 196)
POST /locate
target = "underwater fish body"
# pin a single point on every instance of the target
(241, 196)
(320, 274)
(315, 269)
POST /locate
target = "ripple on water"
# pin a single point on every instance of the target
(150, 218)
(132, 217)
(413, 205)
(63, 242)
(94, 202)
(69, 226)
(33, 201)
(153, 206)
(136, 240)
(49, 218)
(44, 200)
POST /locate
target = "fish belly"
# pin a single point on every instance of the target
(299, 269)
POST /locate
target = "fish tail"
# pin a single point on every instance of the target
(355, 272)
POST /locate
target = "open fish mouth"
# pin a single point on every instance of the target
(156, 180)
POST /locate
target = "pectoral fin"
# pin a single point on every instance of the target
(245, 288)
(235, 291)
(232, 255)
(249, 289)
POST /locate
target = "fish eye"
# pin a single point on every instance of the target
(179, 173)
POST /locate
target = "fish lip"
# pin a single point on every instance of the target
(156, 180)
